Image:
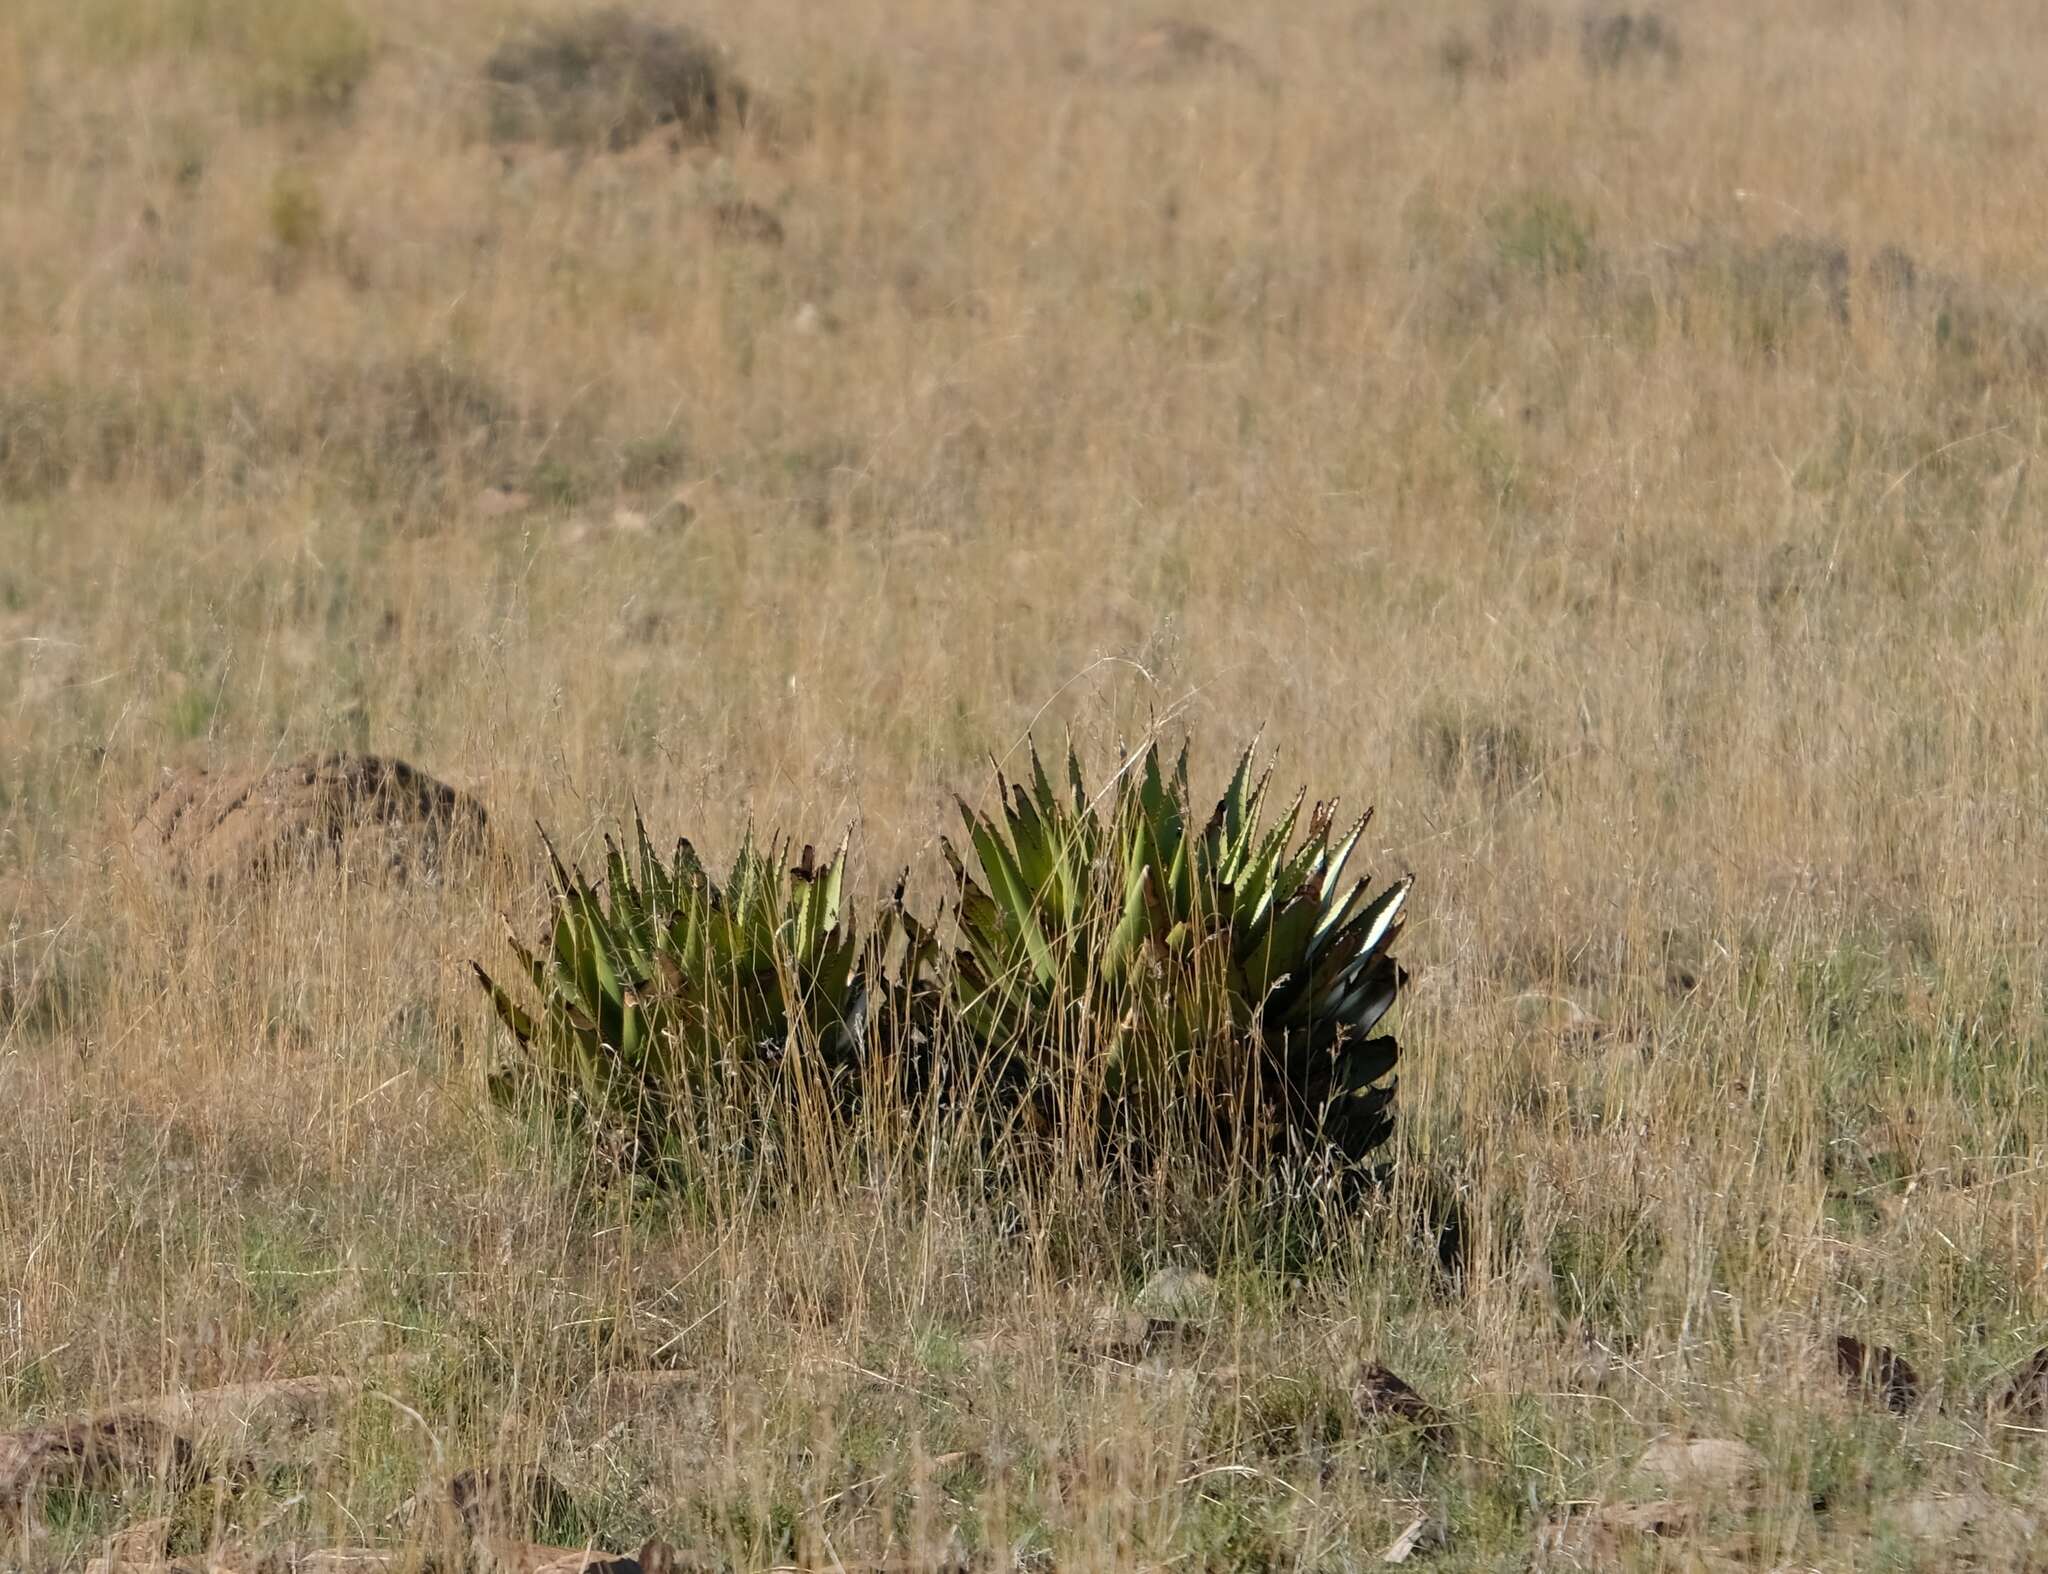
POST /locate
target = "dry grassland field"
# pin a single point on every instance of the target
(1604, 442)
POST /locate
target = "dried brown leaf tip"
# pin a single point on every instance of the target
(1879, 1372)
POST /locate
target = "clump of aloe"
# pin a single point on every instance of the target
(1126, 978)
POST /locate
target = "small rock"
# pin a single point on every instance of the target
(1179, 1297)
(1706, 1464)
(1557, 1014)
(320, 1560)
(141, 1545)
(1122, 1333)
(679, 509)
(1973, 1517)
(808, 319)
(495, 502)
(1610, 1533)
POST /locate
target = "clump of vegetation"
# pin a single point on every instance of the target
(1172, 50)
(297, 217)
(1493, 753)
(402, 431)
(1130, 981)
(307, 59)
(56, 433)
(298, 224)
(1139, 978)
(1517, 34)
(1541, 234)
(606, 78)
(1611, 41)
(672, 1011)
(279, 57)
(1791, 282)
(416, 428)
(1455, 55)
(1980, 336)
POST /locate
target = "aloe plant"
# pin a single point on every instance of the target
(1125, 971)
(1233, 966)
(660, 998)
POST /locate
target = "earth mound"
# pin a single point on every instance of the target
(374, 816)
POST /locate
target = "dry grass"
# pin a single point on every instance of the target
(1498, 440)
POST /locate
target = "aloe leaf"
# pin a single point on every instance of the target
(1161, 812)
(1360, 1009)
(560, 876)
(688, 869)
(1031, 841)
(806, 899)
(1302, 869)
(1295, 1001)
(981, 920)
(1333, 872)
(833, 973)
(1074, 781)
(1282, 951)
(1160, 913)
(1231, 809)
(834, 877)
(1133, 924)
(1239, 855)
(1365, 1061)
(1007, 881)
(652, 880)
(1383, 913)
(1255, 887)
(1041, 789)
(1180, 878)
(597, 967)
(1073, 857)
(509, 1011)
(632, 1038)
(631, 922)
(566, 953)
(530, 964)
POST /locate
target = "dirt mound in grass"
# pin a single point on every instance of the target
(605, 79)
(375, 817)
